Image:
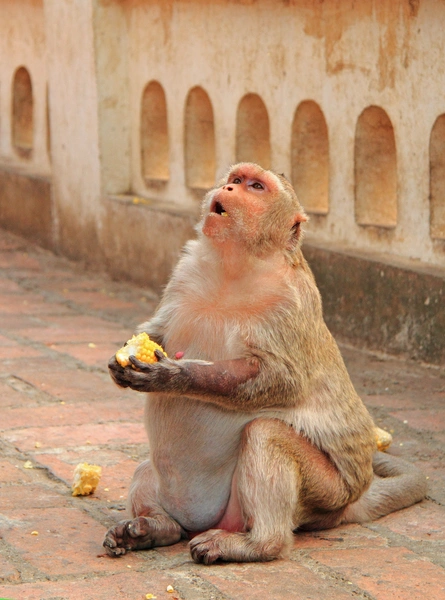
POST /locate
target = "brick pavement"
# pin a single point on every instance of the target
(58, 326)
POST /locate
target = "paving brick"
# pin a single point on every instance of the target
(440, 438)
(67, 382)
(425, 420)
(132, 585)
(26, 303)
(18, 261)
(387, 573)
(346, 536)
(14, 323)
(75, 328)
(97, 300)
(424, 521)
(13, 473)
(9, 397)
(94, 354)
(9, 241)
(405, 400)
(29, 496)
(7, 286)
(68, 542)
(278, 580)
(390, 401)
(14, 350)
(177, 551)
(8, 572)
(70, 413)
(76, 435)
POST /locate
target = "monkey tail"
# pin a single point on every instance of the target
(397, 484)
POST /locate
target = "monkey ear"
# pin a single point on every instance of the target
(295, 231)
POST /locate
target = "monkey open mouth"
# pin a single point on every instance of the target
(219, 209)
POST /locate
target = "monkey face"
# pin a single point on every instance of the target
(252, 207)
(234, 208)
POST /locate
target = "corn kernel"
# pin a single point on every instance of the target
(140, 346)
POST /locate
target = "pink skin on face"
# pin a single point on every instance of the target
(244, 198)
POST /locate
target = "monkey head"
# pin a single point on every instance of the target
(254, 209)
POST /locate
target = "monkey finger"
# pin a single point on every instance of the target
(113, 364)
(159, 355)
(139, 365)
(140, 380)
(117, 373)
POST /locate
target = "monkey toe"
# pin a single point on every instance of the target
(114, 540)
(138, 528)
(127, 536)
(205, 548)
(201, 554)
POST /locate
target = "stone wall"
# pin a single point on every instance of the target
(116, 115)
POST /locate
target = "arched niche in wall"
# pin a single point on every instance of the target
(154, 134)
(199, 142)
(22, 113)
(310, 157)
(252, 131)
(437, 179)
(375, 169)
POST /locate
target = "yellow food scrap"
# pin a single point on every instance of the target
(383, 439)
(86, 479)
(140, 346)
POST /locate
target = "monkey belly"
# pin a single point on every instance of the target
(195, 503)
(195, 466)
(201, 513)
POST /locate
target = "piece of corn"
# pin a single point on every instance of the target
(383, 439)
(140, 346)
(86, 479)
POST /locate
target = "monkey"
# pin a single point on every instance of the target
(254, 426)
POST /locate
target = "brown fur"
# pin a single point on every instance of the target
(257, 430)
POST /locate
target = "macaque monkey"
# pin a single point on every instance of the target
(254, 425)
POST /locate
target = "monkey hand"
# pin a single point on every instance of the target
(158, 376)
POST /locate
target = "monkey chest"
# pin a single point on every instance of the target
(219, 325)
(207, 334)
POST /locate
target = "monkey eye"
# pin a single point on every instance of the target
(257, 185)
(236, 180)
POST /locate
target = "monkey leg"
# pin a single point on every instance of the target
(282, 481)
(151, 525)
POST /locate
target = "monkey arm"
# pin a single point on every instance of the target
(237, 384)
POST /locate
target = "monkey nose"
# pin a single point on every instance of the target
(228, 188)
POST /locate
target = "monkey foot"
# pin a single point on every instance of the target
(128, 535)
(208, 547)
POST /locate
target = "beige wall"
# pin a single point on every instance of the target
(23, 43)
(97, 57)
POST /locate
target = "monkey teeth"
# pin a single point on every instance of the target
(224, 214)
